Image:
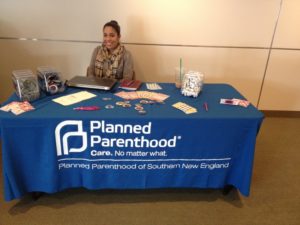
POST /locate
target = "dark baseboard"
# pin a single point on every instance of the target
(277, 113)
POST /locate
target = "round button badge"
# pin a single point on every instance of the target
(142, 112)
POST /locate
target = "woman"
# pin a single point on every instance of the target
(111, 60)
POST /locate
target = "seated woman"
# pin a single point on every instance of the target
(111, 59)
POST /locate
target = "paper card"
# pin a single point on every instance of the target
(159, 96)
(26, 106)
(184, 107)
(123, 95)
(235, 101)
(132, 95)
(74, 98)
(153, 86)
(7, 108)
(143, 95)
(17, 107)
(241, 102)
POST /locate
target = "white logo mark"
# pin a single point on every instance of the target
(64, 139)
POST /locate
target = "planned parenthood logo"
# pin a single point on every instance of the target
(101, 135)
(62, 146)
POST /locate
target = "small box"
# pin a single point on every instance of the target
(26, 85)
(49, 80)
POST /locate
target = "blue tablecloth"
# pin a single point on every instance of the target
(55, 147)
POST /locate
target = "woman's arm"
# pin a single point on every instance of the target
(128, 70)
(91, 68)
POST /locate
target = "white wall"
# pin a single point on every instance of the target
(228, 40)
(281, 89)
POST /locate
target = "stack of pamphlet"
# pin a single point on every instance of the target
(131, 85)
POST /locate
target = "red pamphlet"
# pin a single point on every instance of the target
(131, 85)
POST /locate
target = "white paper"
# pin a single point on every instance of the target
(74, 98)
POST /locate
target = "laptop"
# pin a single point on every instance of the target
(91, 82)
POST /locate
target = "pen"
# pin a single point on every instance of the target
(205, 105)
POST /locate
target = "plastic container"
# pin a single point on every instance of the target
(26, 85)
(49, 80)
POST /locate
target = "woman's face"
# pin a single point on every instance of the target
(110, 38)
